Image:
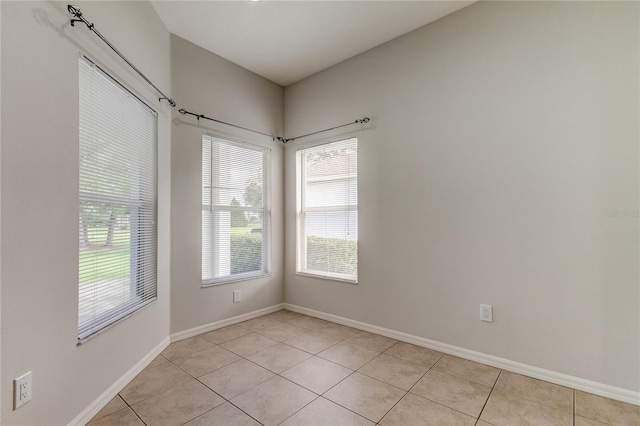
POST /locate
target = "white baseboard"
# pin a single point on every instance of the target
(100, 402)
(596, 388)
(181, 335)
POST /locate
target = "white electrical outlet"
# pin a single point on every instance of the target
(237, 296)
(21, 390)
(486, 313)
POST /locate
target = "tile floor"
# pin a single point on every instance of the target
(291, 369)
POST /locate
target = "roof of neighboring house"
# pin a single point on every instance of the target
(344, 162)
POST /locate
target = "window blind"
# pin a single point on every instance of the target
(236, 215)
(327, 210)
(117, 214)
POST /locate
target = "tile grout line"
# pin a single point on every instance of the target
(131, 408)
(229, 401)
(225, 399)
(451, 408)
(301, 408)
(406, 360)
(279, 374)
(436, 402)
(253, 387)
(345, 378)
(463, 378)
(321, 395)
(526, 399)
(243, 357)
(407, 392)
(216, 393)
(394, 406)
(574, 407)
(138, 416)
(317, 355)
(196, 379)
(200, 415)
(490, 393)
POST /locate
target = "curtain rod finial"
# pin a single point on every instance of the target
(170, 101)
(74, 11)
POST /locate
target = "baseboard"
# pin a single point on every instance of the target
(100, 402)
(596, 388)
(181, 335)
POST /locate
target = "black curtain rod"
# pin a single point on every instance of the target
(75, 12)
(275, 138)
(199, 116)
(358, 121)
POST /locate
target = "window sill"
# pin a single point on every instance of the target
(97, 330)
(330, 277)
(234, 278)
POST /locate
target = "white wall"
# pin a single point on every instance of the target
(207, 84)
(39, 192)
(501, 134)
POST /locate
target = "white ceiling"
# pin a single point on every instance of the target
(286, 41)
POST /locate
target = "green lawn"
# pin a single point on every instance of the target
(239, 230)
(117, 256)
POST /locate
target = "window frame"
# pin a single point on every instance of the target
(301, 211)
(137, 262)
(266, 271)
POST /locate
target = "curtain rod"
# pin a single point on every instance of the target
(275, 138)
(358, 121)
(199, 116)
(75, 12)
(77, 16)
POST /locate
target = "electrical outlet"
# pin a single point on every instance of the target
(21, 390)
(237, 296)
(486, 313)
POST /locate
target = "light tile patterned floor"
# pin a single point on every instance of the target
(291, 369)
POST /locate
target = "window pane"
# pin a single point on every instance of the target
(332, 242)
(328, 210)
(235, 214)
(117, 231)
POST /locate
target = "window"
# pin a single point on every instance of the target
(236, 215)
(327, 211)
(117, 214)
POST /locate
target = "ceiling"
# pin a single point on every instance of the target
(286, 41)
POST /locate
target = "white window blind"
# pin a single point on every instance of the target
(117, 259)
(327, 210)
(236, 214)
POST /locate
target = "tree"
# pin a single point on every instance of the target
(253, 193)
(238, 219)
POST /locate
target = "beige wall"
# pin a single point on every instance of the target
(40, 203)
(208, 84)
(501, 134)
